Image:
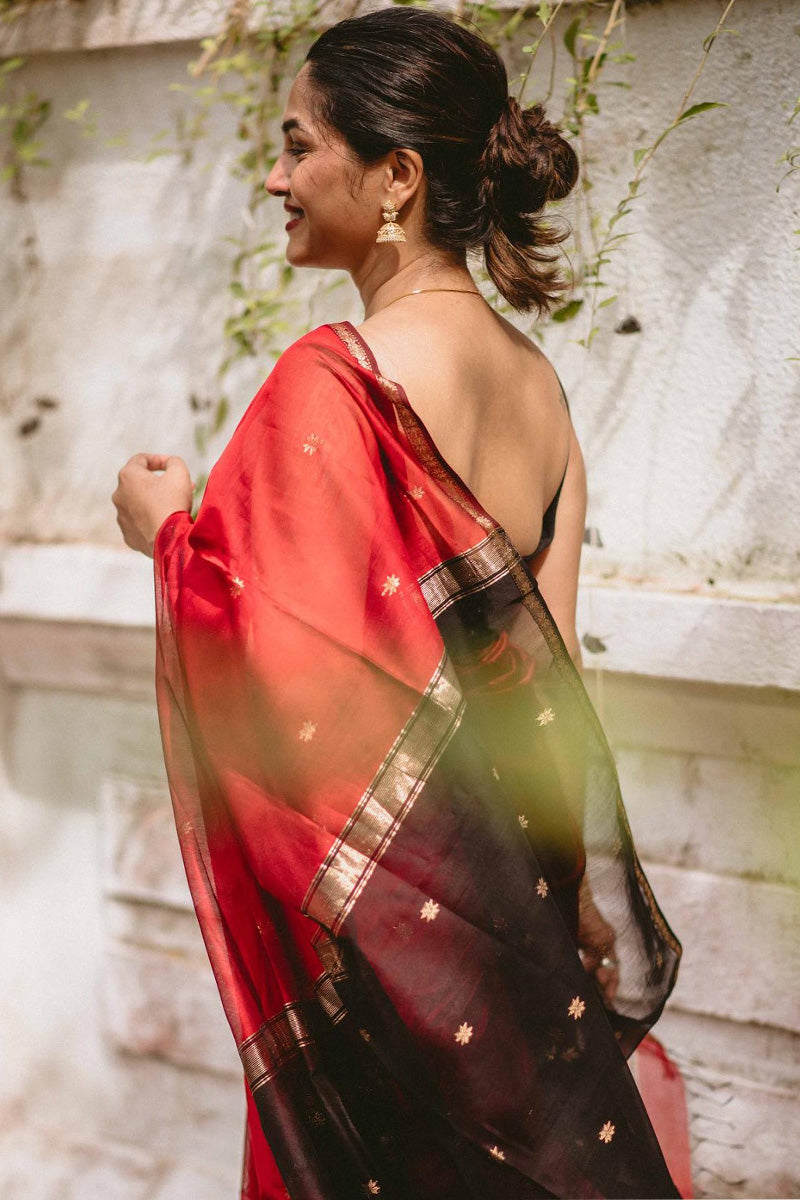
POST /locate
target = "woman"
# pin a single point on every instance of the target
(399, 817)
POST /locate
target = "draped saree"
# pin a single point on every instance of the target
(399, 818)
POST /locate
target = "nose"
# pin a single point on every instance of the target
(277, 182)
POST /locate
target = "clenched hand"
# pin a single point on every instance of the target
(150, 488)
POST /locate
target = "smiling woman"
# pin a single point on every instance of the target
(399, 817)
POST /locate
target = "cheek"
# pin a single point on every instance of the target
(309, 186)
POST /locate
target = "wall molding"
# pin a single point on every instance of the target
(82, 617)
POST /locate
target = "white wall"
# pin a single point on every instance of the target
(690, 428)
(119, 1076)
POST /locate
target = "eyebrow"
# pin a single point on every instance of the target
(292, 123)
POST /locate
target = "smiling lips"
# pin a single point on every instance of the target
(295, 215)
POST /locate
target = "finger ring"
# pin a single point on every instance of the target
(607, 962)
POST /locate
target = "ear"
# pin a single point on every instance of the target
(404, 175)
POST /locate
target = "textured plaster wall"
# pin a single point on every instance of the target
(119, 1076)
(690, 428)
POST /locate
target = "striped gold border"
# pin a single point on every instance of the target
(275, 1044)
(370, 830)
(471, 571)
(330, 955)
(329, 999)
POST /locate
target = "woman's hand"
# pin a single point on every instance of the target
(596, 947)
(150, 488)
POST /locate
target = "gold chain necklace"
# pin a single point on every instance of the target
(419, 291)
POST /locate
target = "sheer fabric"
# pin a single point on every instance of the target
(399, 816)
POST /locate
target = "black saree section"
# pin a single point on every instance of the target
(465, 968)
(473, 1055)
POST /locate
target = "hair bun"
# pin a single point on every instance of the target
(526, 162)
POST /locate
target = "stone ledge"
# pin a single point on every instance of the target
(59, 25)
(674, 635)
(760, 1054)
(81, 616)
(741, 952)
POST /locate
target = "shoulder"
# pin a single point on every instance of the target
(315, 392)
(320, 352)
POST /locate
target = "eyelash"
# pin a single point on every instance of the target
(295, 151)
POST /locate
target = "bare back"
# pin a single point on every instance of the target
(494, 407)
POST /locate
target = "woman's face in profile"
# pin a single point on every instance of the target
(333, 203)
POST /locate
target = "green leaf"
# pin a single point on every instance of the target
(11, 64)
(544, 12)
(221, 414)
(639, 154)
(570, 34)
(712, 37)
(699, 108)
(608, 300)
(78, 112)
(567, 312)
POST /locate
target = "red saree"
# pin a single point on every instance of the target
(395, 805)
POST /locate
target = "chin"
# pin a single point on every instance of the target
(300, 254)
(296, 256)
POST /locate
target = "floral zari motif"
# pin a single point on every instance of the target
(577, 1008)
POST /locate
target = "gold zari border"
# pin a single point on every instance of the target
(354, 345)
(330, 955)
(379, 813)
(475, 569)
(276, 1042)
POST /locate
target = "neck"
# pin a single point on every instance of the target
(384, 278)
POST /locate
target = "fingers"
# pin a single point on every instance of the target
(147, 462)
(607, 979)
(173, 462)
(154, 462)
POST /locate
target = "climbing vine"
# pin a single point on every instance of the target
(243, 68)
(23, 113)
(241, 71)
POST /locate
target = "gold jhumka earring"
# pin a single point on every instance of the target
(390, 231)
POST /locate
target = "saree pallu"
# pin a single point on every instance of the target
(398, 816)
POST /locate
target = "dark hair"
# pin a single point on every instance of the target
(404, 77)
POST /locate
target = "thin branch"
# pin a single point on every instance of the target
(532, 55)
(235, 25)
(613, 22)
